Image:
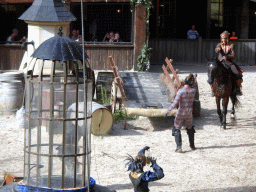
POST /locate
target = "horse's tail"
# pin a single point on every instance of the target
(235, 100)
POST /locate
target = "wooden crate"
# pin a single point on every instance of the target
(12, 177)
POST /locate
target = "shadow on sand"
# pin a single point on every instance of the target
(123, 186)
(228, 189)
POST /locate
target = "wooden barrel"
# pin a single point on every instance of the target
(102, 119)
(8, 75)
(105, 80)
(11, 96)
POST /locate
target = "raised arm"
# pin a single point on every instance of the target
(153, 176)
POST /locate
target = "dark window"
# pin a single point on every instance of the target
(166, 17)
(217, 13)
(10, 14)
(100, 18)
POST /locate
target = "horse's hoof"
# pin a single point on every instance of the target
(222, 127)
(233, 116)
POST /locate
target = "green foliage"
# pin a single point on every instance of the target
(104, 97)
(119, 115)
(143, 60)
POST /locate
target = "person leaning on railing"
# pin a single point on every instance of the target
(11, 38)
(117, 37)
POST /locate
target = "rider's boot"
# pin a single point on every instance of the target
(177, 135)
(191, 137)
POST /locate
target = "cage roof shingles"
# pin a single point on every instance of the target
(47, 10)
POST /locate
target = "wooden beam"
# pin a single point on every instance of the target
(117, 78)
(166, 73)
(173, 71)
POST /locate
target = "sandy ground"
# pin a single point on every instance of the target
(225, 160)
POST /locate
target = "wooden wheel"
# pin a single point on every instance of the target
(113, 96)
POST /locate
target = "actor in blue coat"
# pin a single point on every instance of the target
(138, 177)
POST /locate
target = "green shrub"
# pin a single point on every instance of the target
(119, 115)
(104, 96)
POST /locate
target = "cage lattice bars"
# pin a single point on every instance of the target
(57, 135)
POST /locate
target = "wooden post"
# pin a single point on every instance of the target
(125, 117)
(173, 71)
(166, 73)
(245, 20)
(208, 25)
(119, 84)
(117, 77)
(199, 54)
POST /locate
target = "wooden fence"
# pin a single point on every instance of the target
(98, 56)
(196, 51)
(180, 50)
(10, 57)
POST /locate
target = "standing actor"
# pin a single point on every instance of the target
(184, 98)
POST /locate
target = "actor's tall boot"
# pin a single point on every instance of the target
(177, 135)
(191, 137)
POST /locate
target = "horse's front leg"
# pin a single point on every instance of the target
(218, 108)
(224, 111)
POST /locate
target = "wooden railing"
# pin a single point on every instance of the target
(185, 51)
(180, 50)
(98, 56)
(11, 56)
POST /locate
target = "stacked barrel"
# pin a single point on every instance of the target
(12, 83)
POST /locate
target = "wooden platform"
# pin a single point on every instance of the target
(144, 90)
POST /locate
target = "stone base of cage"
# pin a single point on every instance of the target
(25, 188)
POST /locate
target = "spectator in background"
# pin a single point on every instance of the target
(93, 29)
(80, 38)
(233, 35)
(192, 33)
(111, 36)
(12, 37)
(75, 34)
(106, 38)
(117, 38)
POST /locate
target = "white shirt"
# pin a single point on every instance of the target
(192, 34)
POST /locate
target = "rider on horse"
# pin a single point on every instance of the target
(226, 54)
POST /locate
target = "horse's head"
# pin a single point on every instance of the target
(212, 70)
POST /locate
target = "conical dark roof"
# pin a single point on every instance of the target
(47, 10)
(59, 49)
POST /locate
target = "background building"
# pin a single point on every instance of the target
(173, 18)
(169, 20)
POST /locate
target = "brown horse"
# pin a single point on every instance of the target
(223, 88)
